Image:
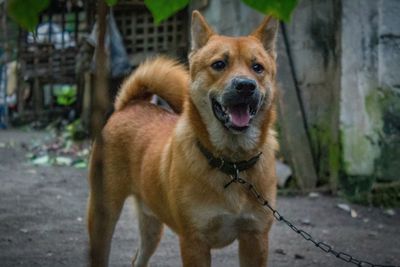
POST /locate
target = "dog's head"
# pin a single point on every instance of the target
(233, 78)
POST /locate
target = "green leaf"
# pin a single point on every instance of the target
(281, 9)
(81, 164)
(66, 94)
(26, 12)
(162, 9)
(111, 2)
(43, 160)
(63, 161)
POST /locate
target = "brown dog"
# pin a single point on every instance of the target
(178, 166)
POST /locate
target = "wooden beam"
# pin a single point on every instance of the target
(292, 123)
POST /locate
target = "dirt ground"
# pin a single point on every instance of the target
(42, 222)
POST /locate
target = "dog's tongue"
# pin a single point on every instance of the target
(240, 116)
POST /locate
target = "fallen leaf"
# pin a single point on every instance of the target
(390, 212)
(83, 152)
(63, 161)
(280, 251)
(305, 222)
(353, 213)
(80, 164)
(373, 234)
(344, 207)
(313, 195)
(43, 160)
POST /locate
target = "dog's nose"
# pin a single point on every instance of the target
(245, 87)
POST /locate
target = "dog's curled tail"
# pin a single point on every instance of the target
(160, 76)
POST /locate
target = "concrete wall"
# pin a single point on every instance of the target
(314, 42)
(370, 99)
(359, 84)
(347, 63)
(389, 84)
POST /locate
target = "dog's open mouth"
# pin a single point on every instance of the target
(236, 117)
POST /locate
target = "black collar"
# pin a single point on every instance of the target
(227, 166)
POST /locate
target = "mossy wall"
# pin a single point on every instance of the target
(370, 100)
(347, 62)
(388, 164)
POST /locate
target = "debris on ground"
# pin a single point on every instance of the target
(280, 251)
(306, 222)
(348, 209)
(344, 207)
(10, 144)
(299, 257)
(390, 212)
(61, 147)
(353, 213)
(313, 195)
(283, 173)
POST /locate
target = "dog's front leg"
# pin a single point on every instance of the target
(253, 249)
(194, 252)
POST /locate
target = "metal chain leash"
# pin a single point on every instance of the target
(319, 244)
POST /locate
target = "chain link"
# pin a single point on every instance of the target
(319, 244)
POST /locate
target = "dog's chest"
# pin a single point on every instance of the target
(220, 227)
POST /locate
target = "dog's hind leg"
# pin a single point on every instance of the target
(101, 224)
(150, 234)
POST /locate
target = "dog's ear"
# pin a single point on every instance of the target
(267, 33)
(201, 31)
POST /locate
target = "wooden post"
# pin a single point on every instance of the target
(291, 120)
(100, 90)
(85, 105)
(5, 61)
(100, 105)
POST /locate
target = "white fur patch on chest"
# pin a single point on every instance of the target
(219, 228)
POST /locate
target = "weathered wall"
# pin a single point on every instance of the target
(359, 83)
(370, 95)
(347, 61)
(389, 83)
(314, 41)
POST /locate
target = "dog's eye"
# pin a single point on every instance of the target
(218, 65)
(257, 67)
